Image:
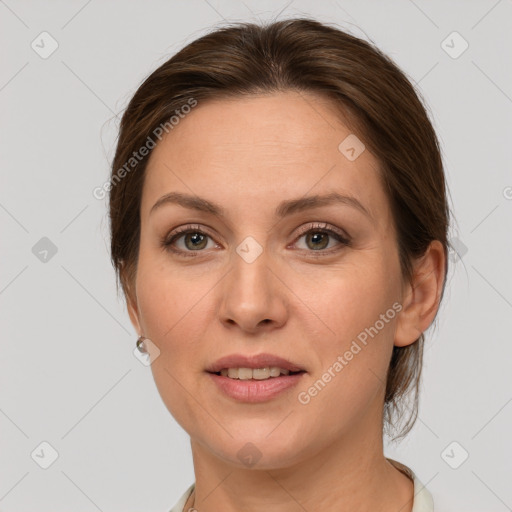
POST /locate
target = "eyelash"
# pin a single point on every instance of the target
(314, 228)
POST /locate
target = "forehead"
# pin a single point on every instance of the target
(262, 148)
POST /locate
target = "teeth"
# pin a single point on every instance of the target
(256, 373)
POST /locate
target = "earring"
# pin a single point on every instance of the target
(140, 345)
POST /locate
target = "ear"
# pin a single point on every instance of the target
(133, 311)
(420, 299)
(131, 301)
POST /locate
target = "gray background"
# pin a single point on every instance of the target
(67, 372)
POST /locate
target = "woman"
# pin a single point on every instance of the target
(279, 228)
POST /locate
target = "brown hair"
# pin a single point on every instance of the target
(305, 56)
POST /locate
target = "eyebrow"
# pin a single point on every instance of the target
(284, 208)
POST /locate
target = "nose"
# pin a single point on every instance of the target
(254, 297)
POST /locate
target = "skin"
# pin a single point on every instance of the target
(247, 155)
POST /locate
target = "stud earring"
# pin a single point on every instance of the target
(140, 345)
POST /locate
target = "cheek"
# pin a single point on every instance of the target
(342, 302)
(351, 321)
(173, 314)
(170, 298)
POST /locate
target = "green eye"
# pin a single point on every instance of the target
(194, 240)
(318, 239)
(197, 240)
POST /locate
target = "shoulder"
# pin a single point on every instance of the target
(423, 501)
(178, 507)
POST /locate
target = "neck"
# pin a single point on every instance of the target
(350, 474)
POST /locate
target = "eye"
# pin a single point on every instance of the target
(317, 238)
(188, 239)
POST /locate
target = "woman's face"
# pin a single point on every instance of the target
(252, 280)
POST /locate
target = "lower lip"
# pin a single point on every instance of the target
(254, 391)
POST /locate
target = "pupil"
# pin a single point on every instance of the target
(316, 240)
(196, 237)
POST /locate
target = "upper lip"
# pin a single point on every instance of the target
(252, 361)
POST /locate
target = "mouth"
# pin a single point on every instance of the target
(254, 378)
(255, 373)
(260, 364)
(254, 385)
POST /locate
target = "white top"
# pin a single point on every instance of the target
(423, 501)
